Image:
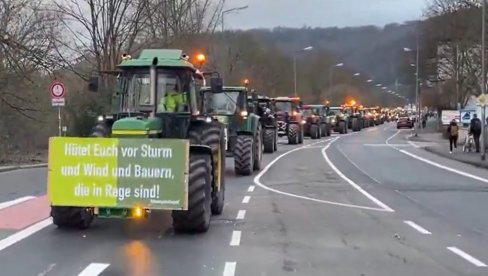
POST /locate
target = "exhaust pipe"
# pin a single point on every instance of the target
(154, 85)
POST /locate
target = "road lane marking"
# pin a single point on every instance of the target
(352, 183)
(7, 204)
(241, 214)
(391, 137)
(94, 269)
(413, 144)
(257, 181)
(48, 269)
(230, 269)
(417, 227)
(444, 167)
(251, 189)
(357, 167)
(387, 145)
(466, 256)
(246, 199)
(236, 238)
(22, 234)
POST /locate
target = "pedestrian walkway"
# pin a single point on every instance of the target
(440, 146)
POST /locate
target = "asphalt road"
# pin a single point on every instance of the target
(367, 203)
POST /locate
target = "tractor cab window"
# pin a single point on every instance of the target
(284, 106)
(224, 103)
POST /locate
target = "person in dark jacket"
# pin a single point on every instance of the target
(475, 129)
(453, 132)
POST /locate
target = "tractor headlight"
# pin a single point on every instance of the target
(244, 113)
(100, 118)
(208, 119)
(303, 122)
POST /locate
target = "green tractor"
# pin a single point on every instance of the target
(316, 125)
(266, 111)
(244, 132)
(154, 151)
(341, 119)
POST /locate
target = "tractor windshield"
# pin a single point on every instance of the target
(307, 112)
(284, 106)
(172, 95)
(221, 103)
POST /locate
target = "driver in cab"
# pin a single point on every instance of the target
(173, 101)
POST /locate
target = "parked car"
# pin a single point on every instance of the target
(403, 122)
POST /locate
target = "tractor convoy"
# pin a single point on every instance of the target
(164, 144)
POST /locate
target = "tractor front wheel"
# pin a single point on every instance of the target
(293, 134)
(314, 131)
(269, 140)
(342, 127)
(258, 149)
(72, 217)
(355, 124)
(243, 155)
(197, 218)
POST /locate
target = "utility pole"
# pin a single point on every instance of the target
(483, 82)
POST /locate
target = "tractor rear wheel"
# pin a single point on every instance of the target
(72, 217)
(329, 131)
(269, 140)
(212, 135)
(355, 124)
(323, 128)
(301, 134)
(275, 131)
(342, 127)
(197, 218)
(243, 155)
(258, 149)
(314, 131)
(293, 133)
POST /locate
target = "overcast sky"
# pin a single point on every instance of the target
(321, 13)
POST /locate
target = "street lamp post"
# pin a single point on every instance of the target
(331, 72)
(309, 48)
(417, 97)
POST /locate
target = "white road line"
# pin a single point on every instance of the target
(387, 145)
(251, 189)
(418, 227)
(466, 256)
(241, 214)
(391, 137)
(236, 238)
(413, 144)
(10, 203)
(354, 185)
(257, 181)
(22, 234)
(445, 167)
(246, 199)
(230, 269)
(94, 269)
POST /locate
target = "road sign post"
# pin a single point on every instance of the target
(58, 99)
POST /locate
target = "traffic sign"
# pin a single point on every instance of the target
(57, 94)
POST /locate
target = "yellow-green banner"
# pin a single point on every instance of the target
(118, 172)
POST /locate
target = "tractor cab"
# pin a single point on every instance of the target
(155, 95)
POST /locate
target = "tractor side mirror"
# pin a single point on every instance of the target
(93, 83)
(217, 85)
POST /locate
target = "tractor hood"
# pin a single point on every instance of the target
(137, 127)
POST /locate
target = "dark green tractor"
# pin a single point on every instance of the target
(155, 100)
(243, 129)
(354, 118)
(341, 119)
(266, 111)
(316, 123)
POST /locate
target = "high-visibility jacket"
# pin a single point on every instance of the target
(171, 101)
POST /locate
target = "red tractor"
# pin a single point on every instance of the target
(289, 118)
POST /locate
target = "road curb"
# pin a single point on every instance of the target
(472, 163)
(20, 167)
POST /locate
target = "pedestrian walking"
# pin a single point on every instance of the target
(475, 130)
(453, 132)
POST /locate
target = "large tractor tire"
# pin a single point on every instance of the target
(293, 134)
(72, 217)
(355, 124)
(329, 130)
(212, 135)
(314, 131)
(301, 135)
(258, 149)
(244, 155)
(269, 140)
(323, 128)
(342, 127)
(197, 218)
(276, 139)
